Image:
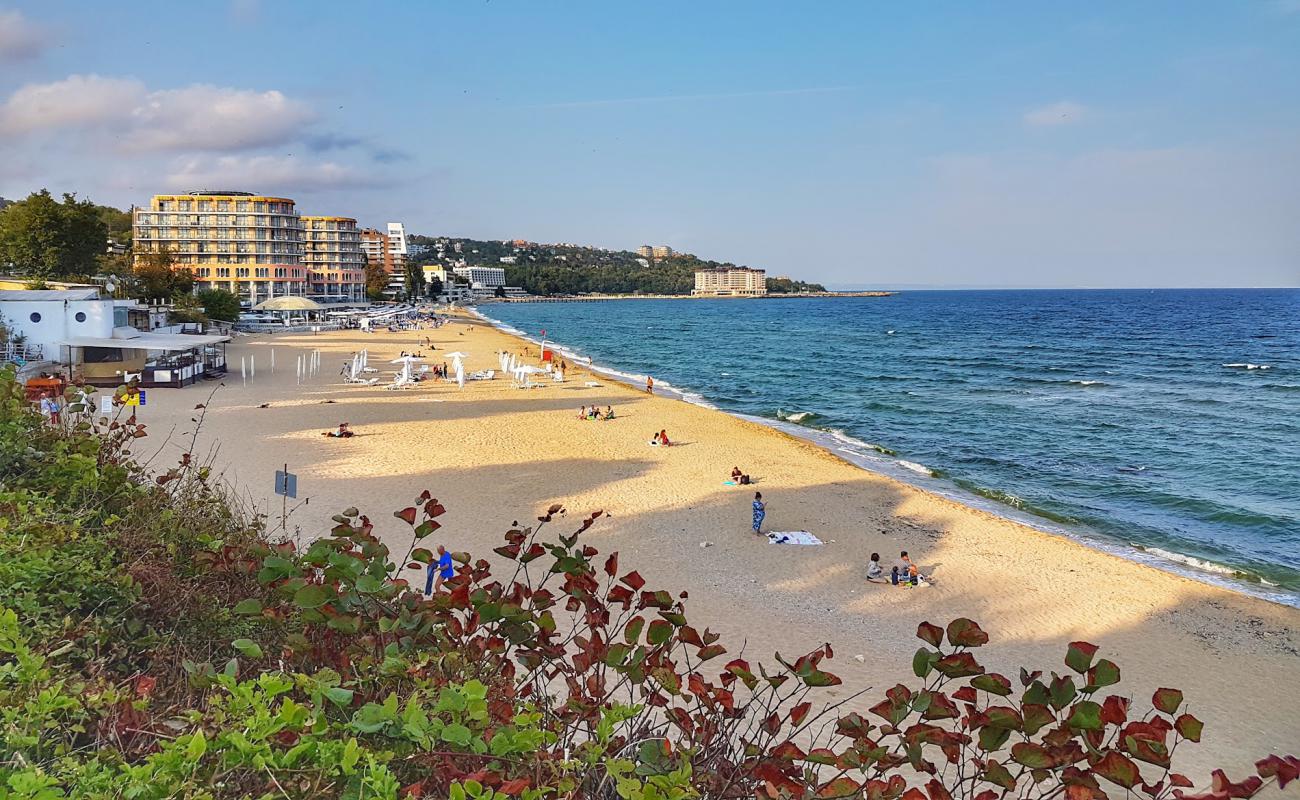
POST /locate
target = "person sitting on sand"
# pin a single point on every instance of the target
(654, 440)
(343, 432)
(663, 438)
(609, 412)
(735, 474)
(582, 412)
(760, 511)
(875, 574)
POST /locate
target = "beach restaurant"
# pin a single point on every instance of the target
(92, 338)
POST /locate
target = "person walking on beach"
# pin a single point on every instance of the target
(649, 385)
(760, 511)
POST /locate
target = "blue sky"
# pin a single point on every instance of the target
(1009, 144)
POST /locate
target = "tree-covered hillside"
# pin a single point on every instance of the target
(575, 269)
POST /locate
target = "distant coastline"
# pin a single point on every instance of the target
(598, 297)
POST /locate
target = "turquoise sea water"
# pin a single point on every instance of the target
(1164, 425)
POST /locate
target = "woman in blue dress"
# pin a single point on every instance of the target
(760, 511)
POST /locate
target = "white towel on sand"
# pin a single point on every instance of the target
(792, 537)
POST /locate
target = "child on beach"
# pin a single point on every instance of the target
(874, 572)
(760, 511)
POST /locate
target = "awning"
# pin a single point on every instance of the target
(150, 341)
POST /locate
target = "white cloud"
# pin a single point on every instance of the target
(203, 117)
(76, 101)
(1062, 113)
(286, 174)
(197, 117)
(19, 38)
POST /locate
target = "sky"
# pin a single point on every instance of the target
(1107, 144)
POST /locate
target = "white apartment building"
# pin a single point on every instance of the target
(483, 277)
(730, 282)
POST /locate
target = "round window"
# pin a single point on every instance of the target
(35, 317)
(81, 316)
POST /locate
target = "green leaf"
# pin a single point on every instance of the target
(1085, 716)
(347, 623)
(1167, 700)
(659, 632)
(1103, 673)
(632, 631)
(992, 683)
(311, 596)
(1189, 727)
(369, 584)
(993, 738)
(1031, 755)
(196, 747)
(923, 662)
(247, 647)
(248, 608)
(1079, 656)
(457, 734)
(339, 696)
(999, 775)
(423, 555)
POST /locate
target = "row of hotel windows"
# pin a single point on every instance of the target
(243, 272)
(191, 234)
(225, 205)
(331, 225)
(222, 259)
(214, 220)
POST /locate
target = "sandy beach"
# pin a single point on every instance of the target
(494, 454)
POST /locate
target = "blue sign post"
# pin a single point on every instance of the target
(286, 483)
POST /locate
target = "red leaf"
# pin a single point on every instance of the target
(1079, 656)
(1118, 769)
(798, 713)
(611, 565)
(963, 632)
(513, 787)
(407, 515)
(634, 580)
(932, 634)
(415, 790)
(1285, 769)
(1115, 710)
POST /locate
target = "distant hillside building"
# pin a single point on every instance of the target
(482, 277)
(238, 241)
(662, 251)
(645, 251)
(336, 265)
(730, 282)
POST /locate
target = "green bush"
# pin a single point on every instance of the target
(156, 643)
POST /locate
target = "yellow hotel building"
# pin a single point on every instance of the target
(335, 262)
(238, 241)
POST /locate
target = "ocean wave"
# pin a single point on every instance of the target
(1203, 565)
(797, 417)
(1247, 366)
(920, 469)
(1087, 383)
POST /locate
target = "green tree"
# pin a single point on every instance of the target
(118, 224)
(414, 280)
(376, 281)
(500, 291)
(219, 304)
(157, 277)
(434, 287)
(44, 238)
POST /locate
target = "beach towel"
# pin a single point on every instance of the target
(792, 537)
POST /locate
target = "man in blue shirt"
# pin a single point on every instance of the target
(439, 571)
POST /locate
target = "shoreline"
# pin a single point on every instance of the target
(596, 298)
(495, 455)
(858, 453)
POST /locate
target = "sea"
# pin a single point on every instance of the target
(1160, 425)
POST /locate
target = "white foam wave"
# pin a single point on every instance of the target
(915, 467)
(1088, 383)
(795, 416)
(1247, 366)
(1192, 561)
